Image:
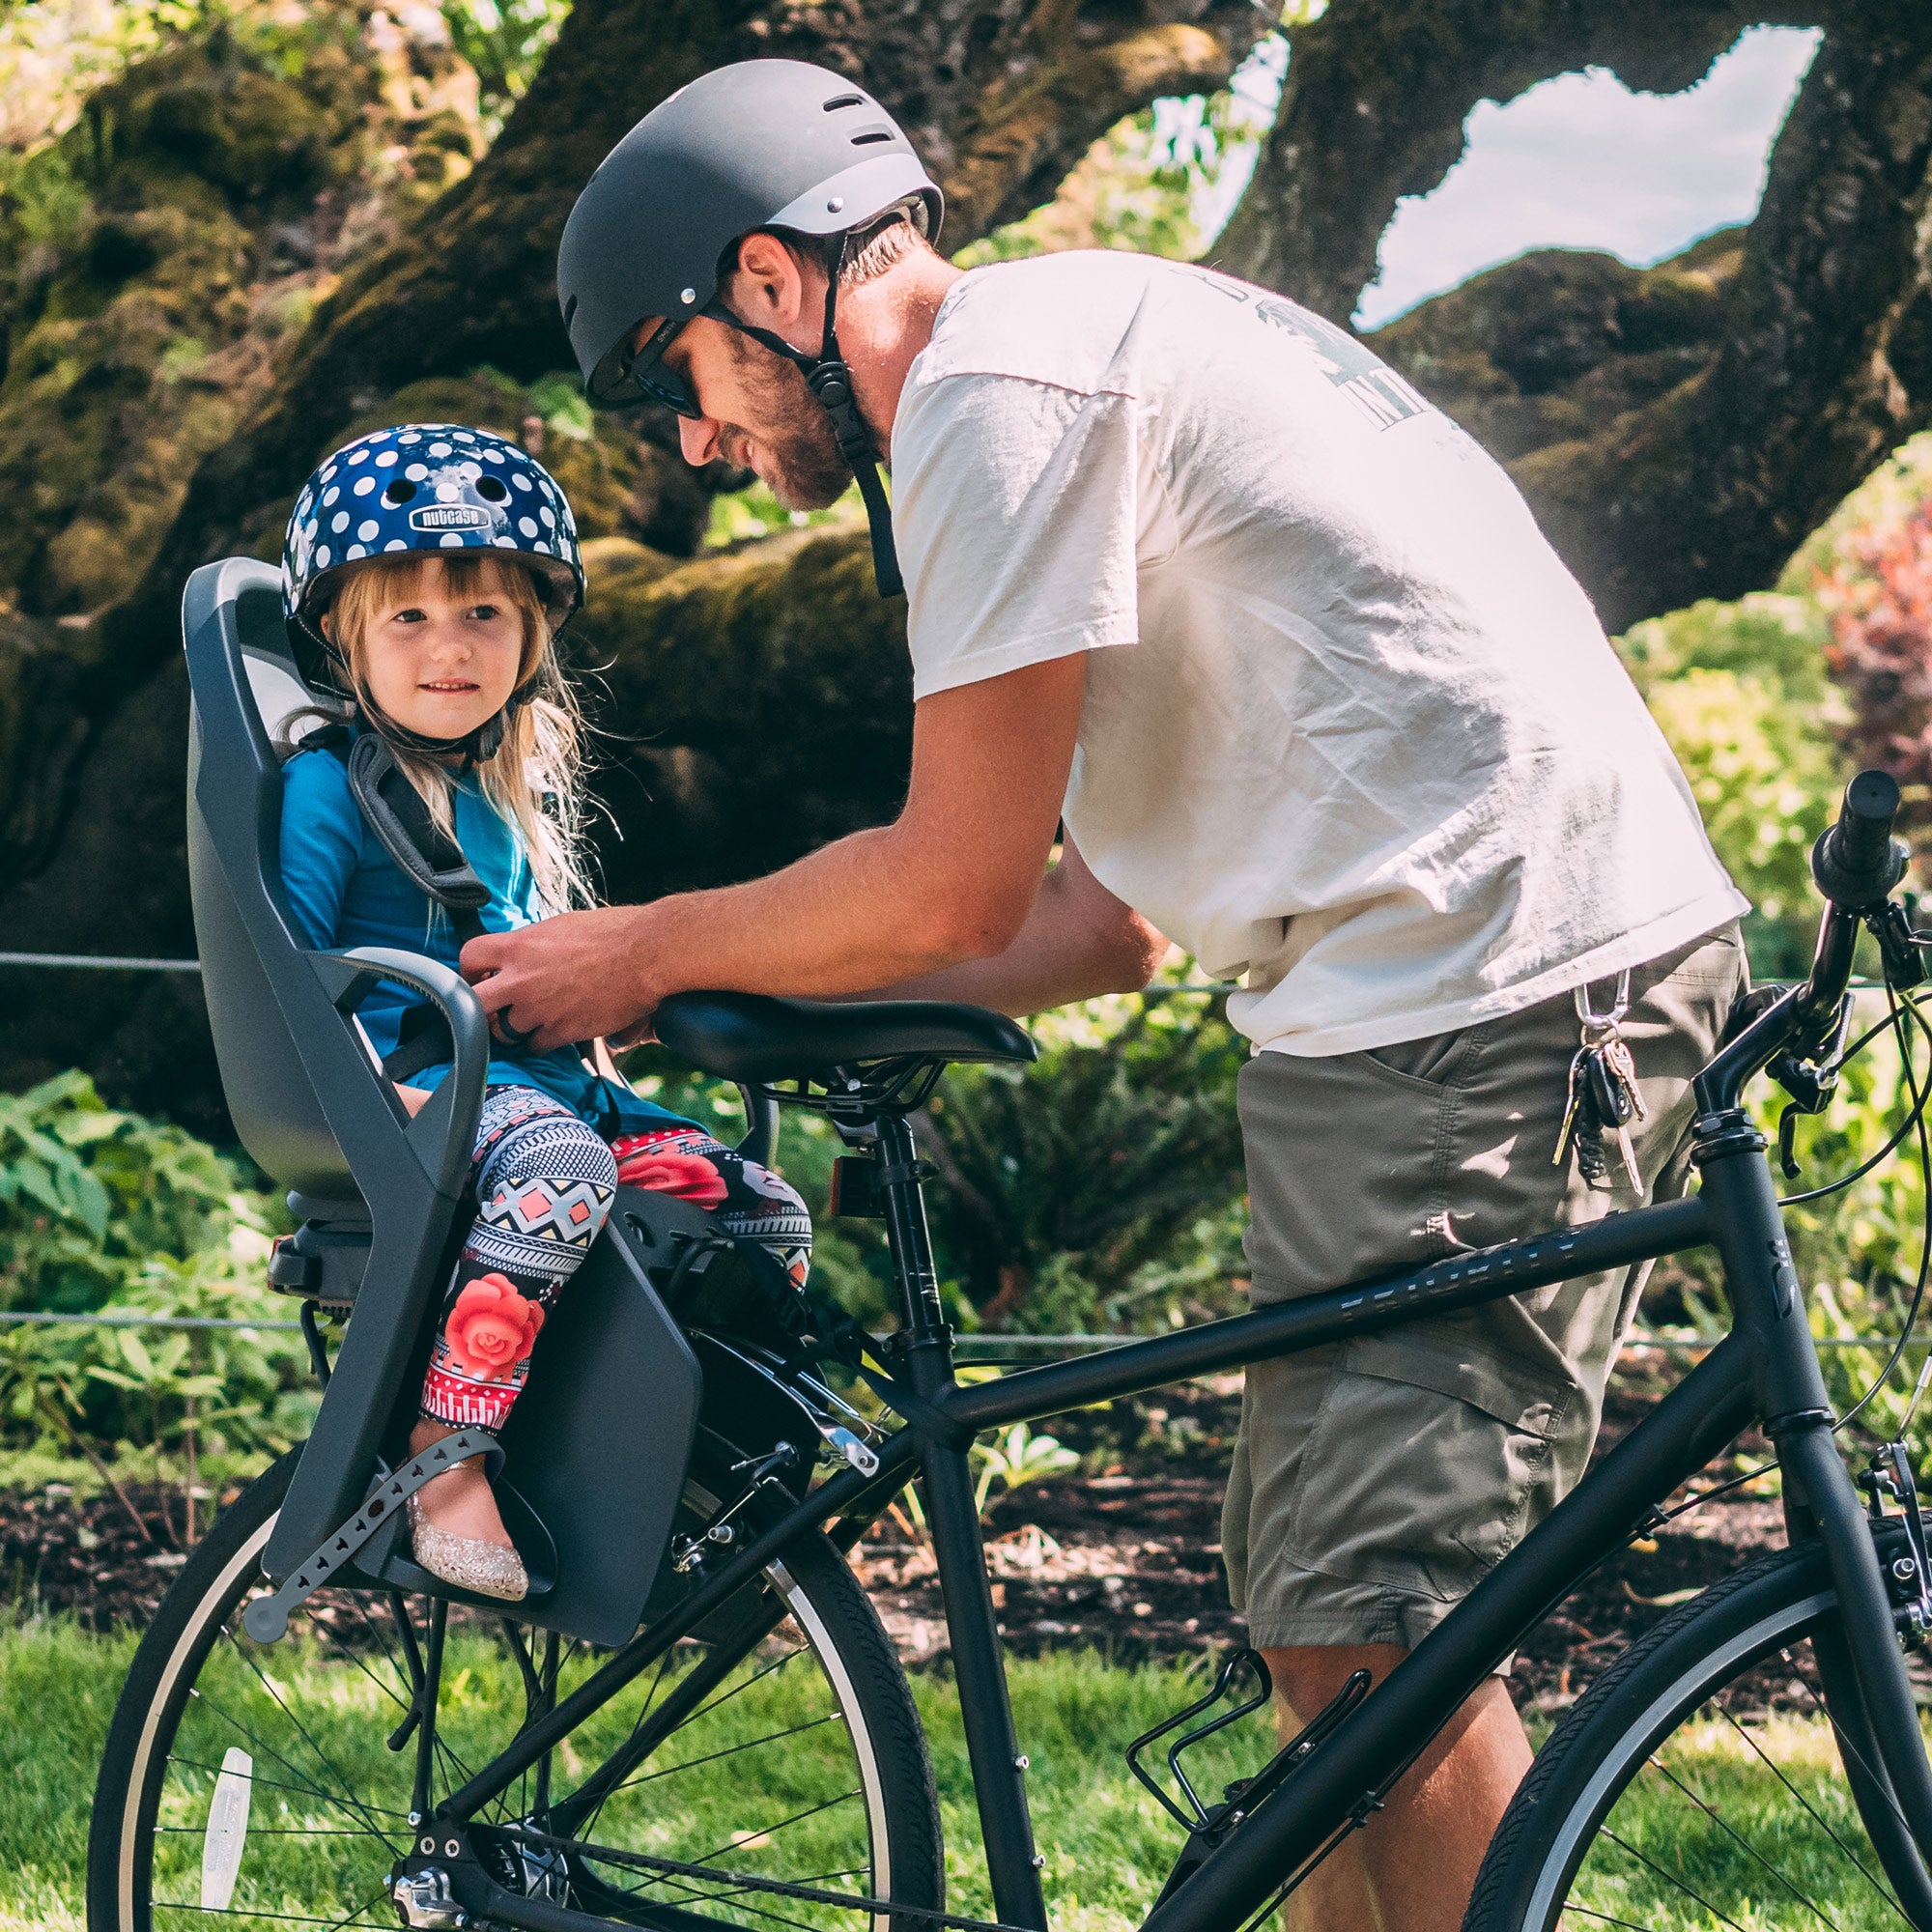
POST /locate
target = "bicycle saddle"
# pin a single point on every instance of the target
(756, 1038)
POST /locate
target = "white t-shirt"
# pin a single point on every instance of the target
(1351, 728)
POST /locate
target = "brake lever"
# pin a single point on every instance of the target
(1810, 1078)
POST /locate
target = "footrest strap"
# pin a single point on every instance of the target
(267, 1618)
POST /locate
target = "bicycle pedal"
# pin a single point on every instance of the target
(267, 1618)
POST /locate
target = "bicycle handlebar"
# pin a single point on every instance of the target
(1857, 862)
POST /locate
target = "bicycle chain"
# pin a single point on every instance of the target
(806, 1894)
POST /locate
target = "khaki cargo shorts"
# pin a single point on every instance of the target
(1375, 1481)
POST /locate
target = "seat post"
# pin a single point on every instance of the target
(909, 1240)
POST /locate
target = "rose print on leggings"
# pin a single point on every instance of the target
(491, 1328)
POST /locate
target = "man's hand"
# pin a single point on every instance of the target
(954, 879)
(570, 978)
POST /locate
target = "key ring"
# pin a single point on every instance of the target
(1600, 1026)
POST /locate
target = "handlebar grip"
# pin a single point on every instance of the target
(1857, 862)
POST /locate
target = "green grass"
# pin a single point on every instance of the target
(1106, 1845)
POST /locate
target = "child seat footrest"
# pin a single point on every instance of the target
(267, 1618)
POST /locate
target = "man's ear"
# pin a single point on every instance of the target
(769, 288)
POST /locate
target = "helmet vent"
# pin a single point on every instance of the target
(400, 490)
(871, 135)
(491, 488)
(839, 101)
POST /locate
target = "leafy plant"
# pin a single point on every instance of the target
(89, 1196)
(1017, 1455)
(1077, 1193)
(1879, 599)
(506, 42)
(1739, 693)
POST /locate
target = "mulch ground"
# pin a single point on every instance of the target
(1126, 1562)
(1129, 1562)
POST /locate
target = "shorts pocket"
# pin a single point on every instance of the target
(1432, 1065)
(1425, 1464)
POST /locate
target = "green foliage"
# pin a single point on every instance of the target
(742, 516)
(1739, 692)
(506, 42)
(102, 1210)
(91, 1197)
(1160, 182)
(1095, 1189)
(1017, 1456)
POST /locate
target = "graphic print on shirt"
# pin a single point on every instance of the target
(1383, 396)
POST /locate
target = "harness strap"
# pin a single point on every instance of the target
(428, 857)
(828, 378)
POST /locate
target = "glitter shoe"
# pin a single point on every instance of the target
(490, 1568)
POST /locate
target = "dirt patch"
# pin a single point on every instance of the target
(1125, 1561)
(97, 1558)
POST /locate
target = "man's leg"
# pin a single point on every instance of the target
(1376, 1483)
(1451, 1801)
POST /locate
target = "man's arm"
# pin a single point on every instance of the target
(1078, 941)
(952, 879)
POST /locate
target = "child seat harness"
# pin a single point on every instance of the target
(809, 1326)
(426, 855)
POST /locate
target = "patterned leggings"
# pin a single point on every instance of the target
(544, 1183)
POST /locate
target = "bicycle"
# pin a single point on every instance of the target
(739, 1746)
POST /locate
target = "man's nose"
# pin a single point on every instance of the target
(699, 436)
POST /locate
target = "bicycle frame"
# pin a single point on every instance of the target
(1765, 1371)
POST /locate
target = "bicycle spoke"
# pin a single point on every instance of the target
(772, 1830)
(1809, 1809)
(1724, 1825)
(282, 1704)
(730, 1751)
(1671, 1879)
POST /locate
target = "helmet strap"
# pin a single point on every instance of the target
(828, 379)
(475, 748)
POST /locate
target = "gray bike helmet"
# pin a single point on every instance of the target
(758, 145)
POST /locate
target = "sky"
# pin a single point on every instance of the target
(1583, 162)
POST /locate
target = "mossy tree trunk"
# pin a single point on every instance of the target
(1798, 364)
(1002, 98)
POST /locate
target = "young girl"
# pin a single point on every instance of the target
(427, 571)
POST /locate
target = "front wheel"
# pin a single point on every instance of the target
(274, 1784)
(1700, 1784)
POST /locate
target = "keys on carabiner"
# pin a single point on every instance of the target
(1603, 1095)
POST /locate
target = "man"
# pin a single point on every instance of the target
(1193, 575)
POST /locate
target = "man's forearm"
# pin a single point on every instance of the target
(1078, 942)
(825, 926)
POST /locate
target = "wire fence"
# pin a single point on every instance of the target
(1019, 1349)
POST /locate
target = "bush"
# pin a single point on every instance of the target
(105, 1211)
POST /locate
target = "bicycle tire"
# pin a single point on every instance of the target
(1575, 1846)
(860, 1682)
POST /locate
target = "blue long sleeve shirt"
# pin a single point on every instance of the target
(344, 890)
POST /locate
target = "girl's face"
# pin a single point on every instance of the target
(442, 665)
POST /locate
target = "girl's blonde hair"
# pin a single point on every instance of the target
(536, 776)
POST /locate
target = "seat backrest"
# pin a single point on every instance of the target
(244, 684)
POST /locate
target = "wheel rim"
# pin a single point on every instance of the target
(774, 1775)
(1714, 1813)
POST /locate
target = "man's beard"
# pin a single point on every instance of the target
(802, 467)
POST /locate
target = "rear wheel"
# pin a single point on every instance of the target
(272, 1783)
(1700, 1784)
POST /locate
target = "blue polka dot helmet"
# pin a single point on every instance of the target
(422, 487)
